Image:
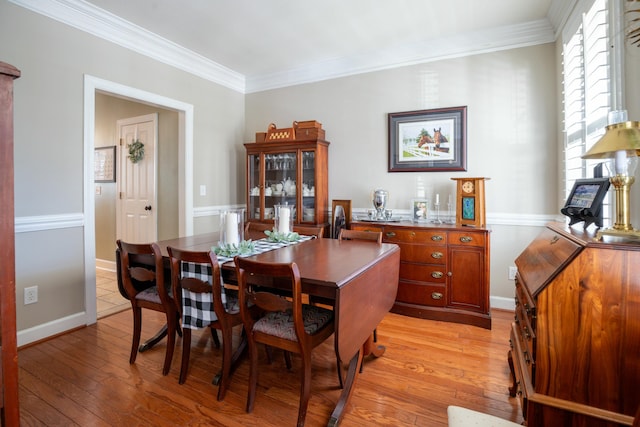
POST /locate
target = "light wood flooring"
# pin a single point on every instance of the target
(109, 300)
(83, 378)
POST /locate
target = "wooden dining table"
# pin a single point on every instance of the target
(361, 277)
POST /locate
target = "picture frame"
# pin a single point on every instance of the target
(104, 164)
(419, 210)
(585, 201)
(337, 223)
(428, 140)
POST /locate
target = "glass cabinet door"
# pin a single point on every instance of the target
(280, 174)
(253, 209)
(308, 186)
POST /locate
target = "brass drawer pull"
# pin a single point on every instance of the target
(527, 334)
(437, 238)
(437, 274)
(391, 234)
(466, 239)
(554, 239)
(436, 295)
(437, 255)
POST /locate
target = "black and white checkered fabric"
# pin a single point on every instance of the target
(197, 308)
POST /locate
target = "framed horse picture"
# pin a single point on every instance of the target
(428, 140)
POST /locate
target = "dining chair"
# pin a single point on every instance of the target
(282, 323)
(203, 302)
(143, 283)
(309, 230)
(255, 230)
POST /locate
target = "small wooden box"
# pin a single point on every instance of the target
(309, 130)
(261, 136)
(309, 134)
(309, 124)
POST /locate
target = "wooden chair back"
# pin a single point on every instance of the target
(255, 230)
(199, 272)
(141, 267)
(375, 236)
(142, 281)
(309, 230)
(267, 318)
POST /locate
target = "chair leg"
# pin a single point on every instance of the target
(214, 335)
(375, 335)
(186, 353)
(253, 374)
(171, 342)
(137, 326)
(226, 362)
(287, 359)
(305, 388)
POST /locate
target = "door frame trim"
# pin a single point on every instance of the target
(185, 173)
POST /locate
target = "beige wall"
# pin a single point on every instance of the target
(109, 110)
(49, 149)
(512, 135)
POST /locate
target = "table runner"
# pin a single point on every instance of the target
(197, 308)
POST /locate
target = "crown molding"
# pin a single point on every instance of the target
(472, 43)
(100, 23)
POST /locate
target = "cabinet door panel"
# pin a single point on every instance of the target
(466, 284)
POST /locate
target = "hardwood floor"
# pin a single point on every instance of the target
(83, 378)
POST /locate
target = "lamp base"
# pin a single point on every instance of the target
(619, 235)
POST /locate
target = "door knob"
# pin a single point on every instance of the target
(147, 208)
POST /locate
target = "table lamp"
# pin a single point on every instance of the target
(621, 142)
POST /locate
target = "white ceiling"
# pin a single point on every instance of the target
(269, 42)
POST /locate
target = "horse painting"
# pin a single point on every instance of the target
(438, 139)
(425, 138)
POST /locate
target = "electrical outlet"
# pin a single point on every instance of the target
(30, 295)
(512, 273)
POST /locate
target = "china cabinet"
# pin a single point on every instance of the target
(444, 270)
(575, 338)
(288, 173)
(9, 411)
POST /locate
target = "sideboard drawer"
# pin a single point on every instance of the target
(401, 235)
(466, 238)
(422, 272)
(429, 294)
(426, 254)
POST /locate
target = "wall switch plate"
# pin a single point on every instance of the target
(203, 190)
(512, 273)
(30, 295)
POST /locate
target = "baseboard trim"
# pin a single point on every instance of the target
(50, 329)
(503, 303)
(103, 264)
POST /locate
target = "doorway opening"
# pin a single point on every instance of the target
(92, 85)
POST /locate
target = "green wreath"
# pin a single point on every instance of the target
(136, 151)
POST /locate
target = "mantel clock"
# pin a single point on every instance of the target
(470, 207)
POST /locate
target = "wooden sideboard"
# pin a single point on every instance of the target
(444, 270)
(575, 340)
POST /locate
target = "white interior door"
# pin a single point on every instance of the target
(136, 213)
